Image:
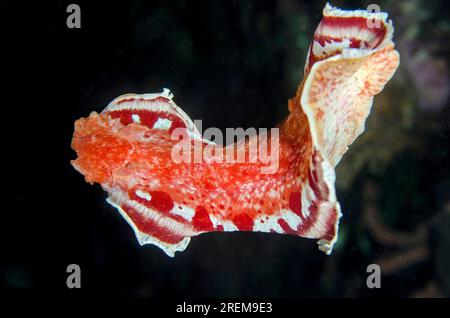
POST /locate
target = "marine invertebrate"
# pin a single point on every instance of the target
(128, 148)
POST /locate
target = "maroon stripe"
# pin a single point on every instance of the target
(295, 203)
(360, 22)
(142, 100)
(330, 222)
(286, 228)
(147, 118)
(160, 202)
(201, 220)
(243, 222)
(150, 227)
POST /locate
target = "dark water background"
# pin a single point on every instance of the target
(231, 64)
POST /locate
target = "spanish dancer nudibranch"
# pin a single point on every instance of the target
(127, 148)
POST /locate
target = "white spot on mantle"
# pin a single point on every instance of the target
(143, 195)
(162, 123)
(136, 118)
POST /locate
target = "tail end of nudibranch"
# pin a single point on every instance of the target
(351, 58)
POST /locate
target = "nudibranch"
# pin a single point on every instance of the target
(127, 148)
